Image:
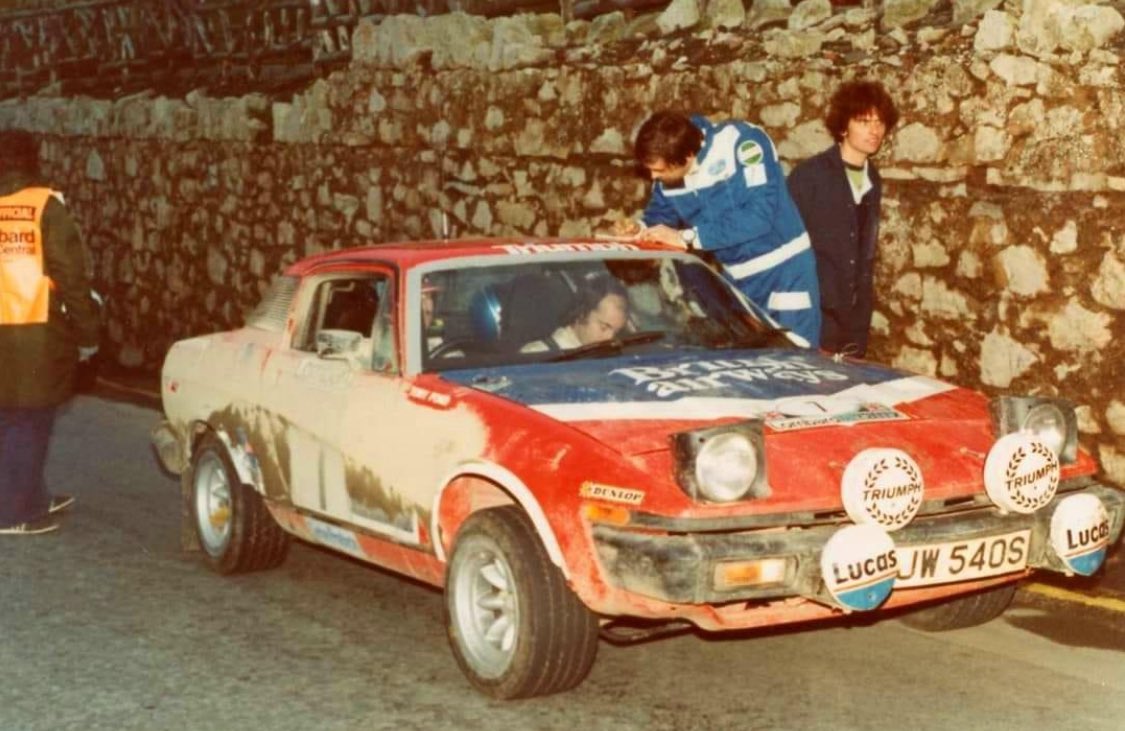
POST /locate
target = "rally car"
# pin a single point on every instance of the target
(569, 467)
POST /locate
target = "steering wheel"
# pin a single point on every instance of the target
(449, 347)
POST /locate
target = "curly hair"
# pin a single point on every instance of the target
(667, 136)
(856, 98)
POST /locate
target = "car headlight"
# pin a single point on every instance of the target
(722, 464)
(1047, 423)
(725, 467)
(1050, 420)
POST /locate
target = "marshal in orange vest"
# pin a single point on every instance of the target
(24, 288)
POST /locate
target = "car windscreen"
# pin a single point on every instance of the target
(528, 311)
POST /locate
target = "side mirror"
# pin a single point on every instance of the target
(337, 344)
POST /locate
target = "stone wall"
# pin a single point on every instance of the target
(1002, 261)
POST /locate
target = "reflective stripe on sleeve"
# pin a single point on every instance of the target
(789, 301)
(768, 261)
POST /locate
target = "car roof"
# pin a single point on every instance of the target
(408, 254)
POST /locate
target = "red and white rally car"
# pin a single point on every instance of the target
(584, 438)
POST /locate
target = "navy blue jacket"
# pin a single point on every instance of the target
(844, 239)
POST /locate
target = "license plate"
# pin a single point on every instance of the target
(974, 558)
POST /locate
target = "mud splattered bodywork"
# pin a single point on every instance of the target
(691, 466)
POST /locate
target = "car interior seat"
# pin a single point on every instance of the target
(537, 304)
(528, 307)
(352, 309)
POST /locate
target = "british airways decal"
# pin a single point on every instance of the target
(745, 384)
(722, 374)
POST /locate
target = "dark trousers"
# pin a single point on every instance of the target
(24, 435)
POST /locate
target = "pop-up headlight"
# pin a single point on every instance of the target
(1050, 420)
(722, 464)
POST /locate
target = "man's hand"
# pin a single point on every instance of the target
(665, 235)
(626, 227)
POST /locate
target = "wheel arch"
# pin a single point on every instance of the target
(479, 485)
(242, 458)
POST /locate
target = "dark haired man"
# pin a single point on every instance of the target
(47, 322)
(720, 188)
(599, 313)
(838, 193)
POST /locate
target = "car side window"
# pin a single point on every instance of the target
(346, 307)
(348, 304)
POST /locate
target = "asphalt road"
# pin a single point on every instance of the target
(107, 625)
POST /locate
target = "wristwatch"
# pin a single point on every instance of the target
(688, 237)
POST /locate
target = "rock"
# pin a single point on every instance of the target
(916, 360)
(1022, 271)
(1002, 359)
(1108, 288)
(763, 12)
(725, 13)
(997, 32)
(1075, 328)
(898, 13)
(966, 10)
(808, 13)
(679, 15)
(917, 143)
(1115, 417)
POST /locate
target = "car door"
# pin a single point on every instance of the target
(405, 433)
(308, 385)
(379, 430)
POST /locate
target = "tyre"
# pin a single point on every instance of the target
(966, 611)
(516, 628)
(236, 532)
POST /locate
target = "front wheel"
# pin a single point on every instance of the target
(516, 628)
(966, 611)
(235, 530)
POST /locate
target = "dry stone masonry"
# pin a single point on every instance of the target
(1002, 261)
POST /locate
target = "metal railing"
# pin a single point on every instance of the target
(117, 47)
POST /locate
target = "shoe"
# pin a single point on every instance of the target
(60, 502)
(31, 527)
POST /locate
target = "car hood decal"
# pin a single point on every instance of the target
(701, 385)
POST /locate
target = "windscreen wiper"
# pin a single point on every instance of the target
(611, 346)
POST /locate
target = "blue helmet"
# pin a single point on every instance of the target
(485, 311)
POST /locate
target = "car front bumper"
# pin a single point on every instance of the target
(676, 561)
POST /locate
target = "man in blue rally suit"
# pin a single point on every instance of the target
(720, 188)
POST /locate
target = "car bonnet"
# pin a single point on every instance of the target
(787, 388)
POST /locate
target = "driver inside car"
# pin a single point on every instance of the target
(600, 312)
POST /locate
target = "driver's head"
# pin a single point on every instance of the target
(602, 310)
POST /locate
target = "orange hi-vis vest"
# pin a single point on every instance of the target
(24, 288)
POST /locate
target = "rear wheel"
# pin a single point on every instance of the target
(966, 611)
(235, 530)
(516, 628)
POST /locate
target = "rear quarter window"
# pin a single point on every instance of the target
(272, 311)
